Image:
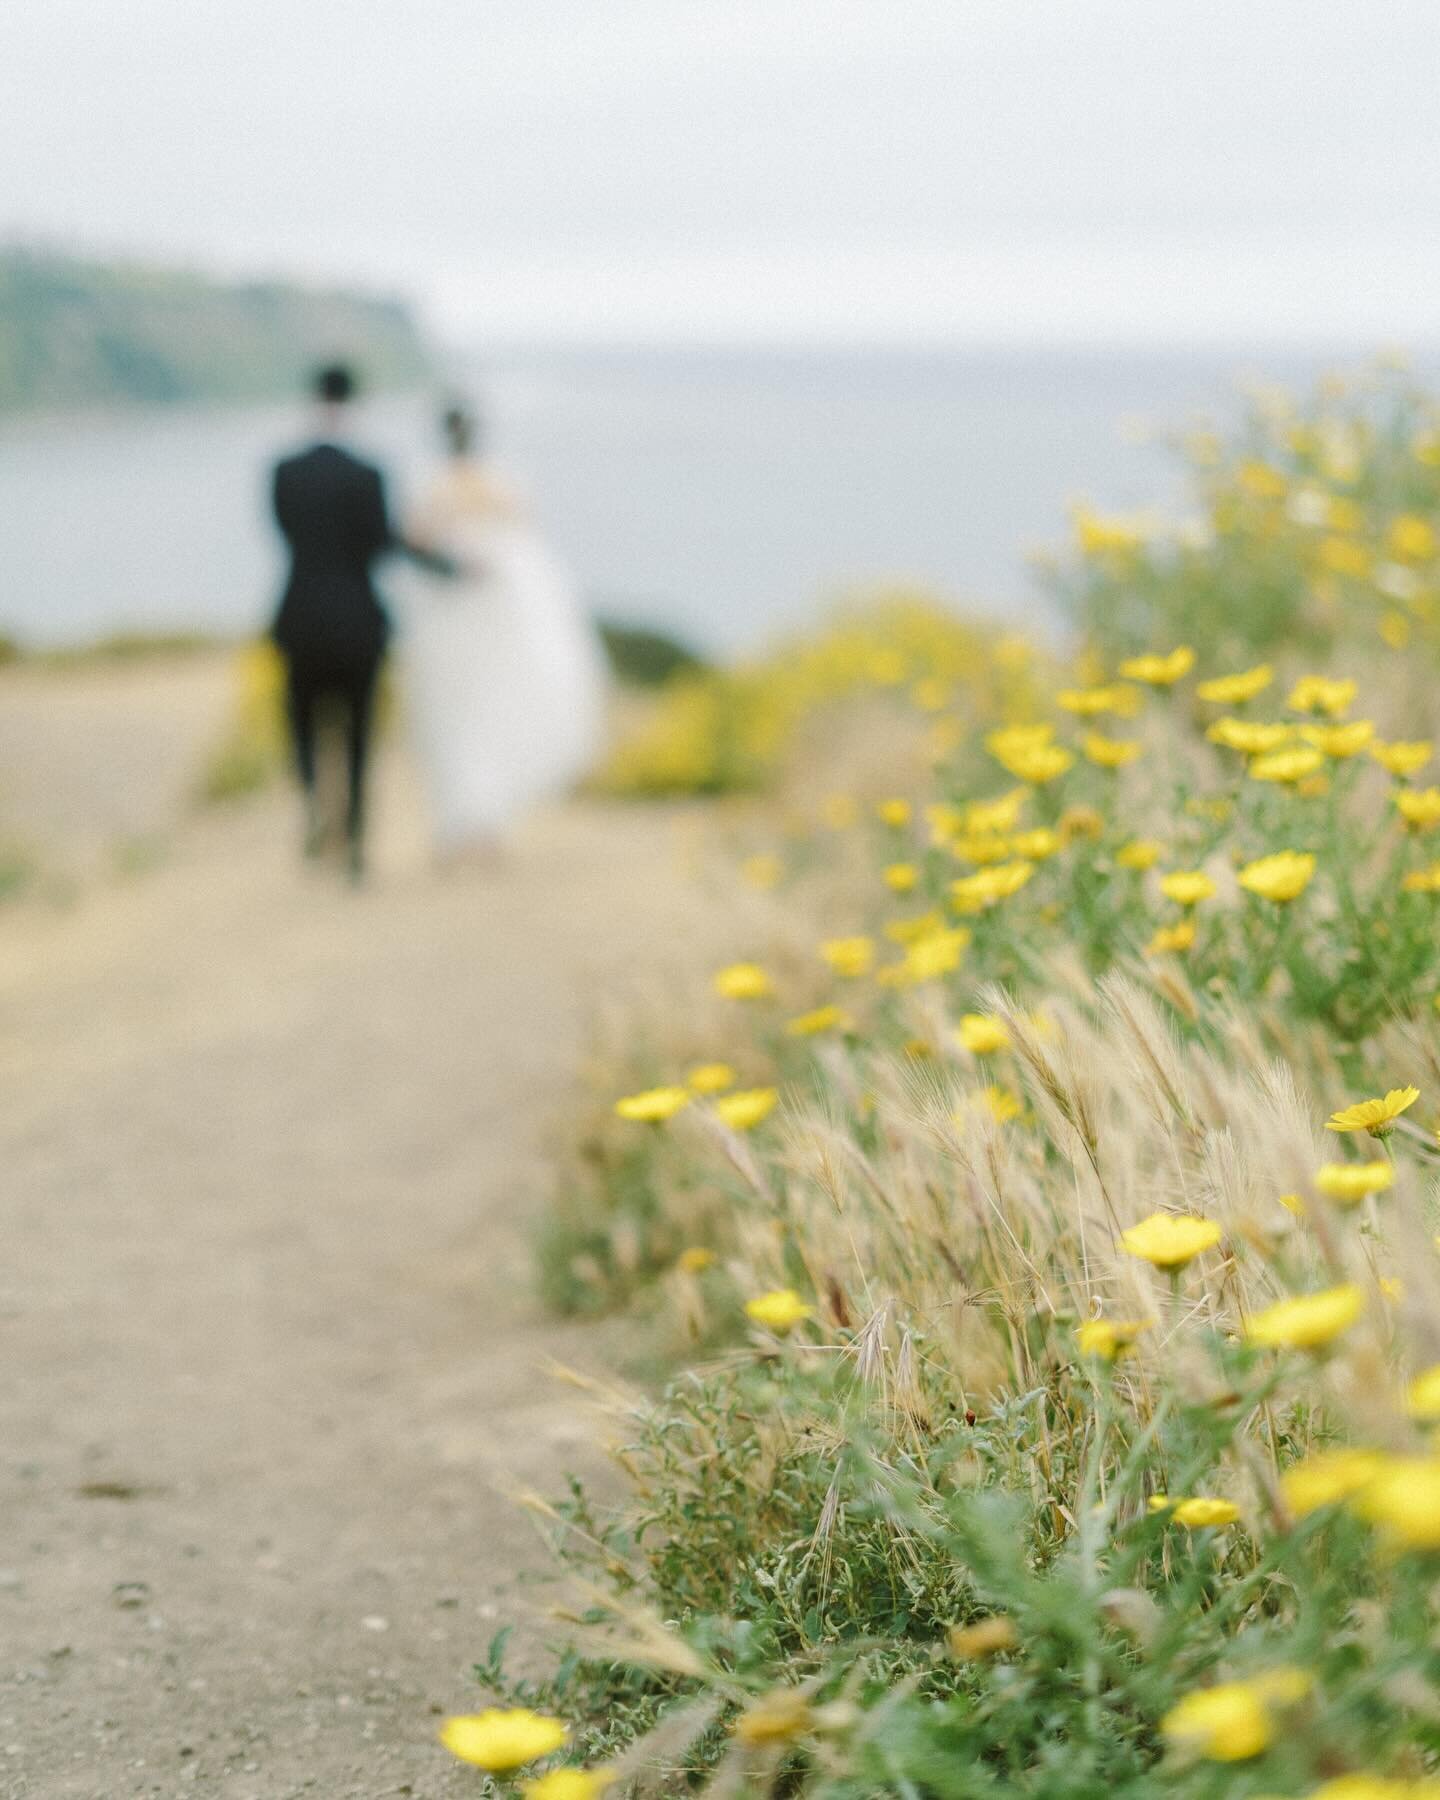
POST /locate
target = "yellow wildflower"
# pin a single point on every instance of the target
(779, 1311)
(1403, 1499)
(1160, 671)
(1326, 1477)
(1110, 753)
(1306, 1321)
(1418, 807)
(980, 850)
(944, 821)
(569, 1784)
(1105, 538)
(987, 887)
(1235, 1720)
(743, 981)
(1343, 556)
(1091, 702)
(1287, 765)
(1412, 537)
(986, 1637)
(936, 953)
(1394, 629)
(1001, 1104)
(1169, 1240)
(823, 1018)
(849, 957)
(1422, 1397)
(1203, 1511)
(901, 877)
(775, 1718)
(990, 818)
(1322, 693)
(749, 1107)
(1403, 758)
(1260, 480)
(1108, 1338)
(1140, 853)
(1228, 1723)
(1187, 887)
(1015, 740)
(1042, 763)
(762, 871)
(893, 813)
(1172, 940)
(1374, 1116)
(1235, 690)
(697, 1258)
(907, 931)
(1013, 652)
(1422, 881)
(1248, 736)
(1374, 1787)
(654, 1105)
(1280, 877)
(502, 1738)
(1081, 822)
(982, 1034)
(1340, 741)
(1036, 845)
(710, 1078)
(1348, 1183)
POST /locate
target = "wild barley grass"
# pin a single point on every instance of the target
(1058, 1414)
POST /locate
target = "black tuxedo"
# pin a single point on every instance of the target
(330, 506)
(331, 626)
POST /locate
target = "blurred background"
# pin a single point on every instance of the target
(766, 304)
(763, 299)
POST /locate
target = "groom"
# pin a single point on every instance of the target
(331, 627)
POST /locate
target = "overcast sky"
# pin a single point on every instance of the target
(792, 170)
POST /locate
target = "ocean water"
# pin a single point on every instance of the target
(722, 496)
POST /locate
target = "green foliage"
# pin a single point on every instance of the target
(79, 333)
(786, 1542)
(1312, 524)
(985, 1492)
(17, 870)
(642, 657)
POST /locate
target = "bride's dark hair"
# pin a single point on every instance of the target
(461, 427)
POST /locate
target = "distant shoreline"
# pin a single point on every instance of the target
(80, 333)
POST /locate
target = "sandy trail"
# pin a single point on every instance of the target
(270, 1150)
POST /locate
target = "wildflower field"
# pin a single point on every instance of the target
(1037, 1214)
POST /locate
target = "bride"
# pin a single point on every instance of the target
(506, 677)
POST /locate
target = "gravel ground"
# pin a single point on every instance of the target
(270, 1148)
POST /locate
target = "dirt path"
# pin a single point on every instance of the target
(269, 1150)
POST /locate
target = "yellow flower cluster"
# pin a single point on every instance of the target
(1070, 985)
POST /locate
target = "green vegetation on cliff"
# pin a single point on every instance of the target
(75, 332)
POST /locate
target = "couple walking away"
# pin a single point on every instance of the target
(505, 676)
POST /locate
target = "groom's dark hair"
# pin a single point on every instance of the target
(461, 428)
(334, 383)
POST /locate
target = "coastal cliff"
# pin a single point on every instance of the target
(82, 332)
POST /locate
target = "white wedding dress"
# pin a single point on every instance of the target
(507, 679)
